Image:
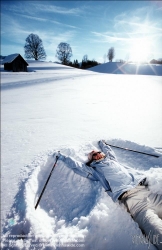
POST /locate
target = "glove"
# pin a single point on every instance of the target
(58, 155)
(103, 141)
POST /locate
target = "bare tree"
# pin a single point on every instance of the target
(85, 58)
(34, 47)
(63, 53)
(111, 54)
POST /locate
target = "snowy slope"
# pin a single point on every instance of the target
(129, 68)
(39, 73)
(54, 107)
(76, 209)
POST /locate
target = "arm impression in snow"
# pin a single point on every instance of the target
(78, 167)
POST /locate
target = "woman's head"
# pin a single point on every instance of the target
(95, 155)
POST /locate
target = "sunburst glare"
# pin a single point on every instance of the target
(140, 50)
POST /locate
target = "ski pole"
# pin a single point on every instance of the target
(46, 182)
(133, 150)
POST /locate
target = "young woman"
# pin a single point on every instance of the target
(126, 185)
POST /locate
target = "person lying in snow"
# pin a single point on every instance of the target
(126, 185)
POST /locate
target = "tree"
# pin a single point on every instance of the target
(84, 61)
(111, 54)
(85, 58)
(76, 64)
(34, 47)
(63, 53)
(153, 61)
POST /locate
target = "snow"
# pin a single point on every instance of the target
(129, 68)
(54, 107)
(9, 58)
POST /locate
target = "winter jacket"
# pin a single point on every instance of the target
(113, 176)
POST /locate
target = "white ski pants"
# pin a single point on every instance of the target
(146, 209)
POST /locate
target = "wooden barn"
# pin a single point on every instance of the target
(15, 62)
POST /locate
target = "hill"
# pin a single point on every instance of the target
(128, 68)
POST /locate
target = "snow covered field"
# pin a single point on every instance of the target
(53, 107)
(129, 68)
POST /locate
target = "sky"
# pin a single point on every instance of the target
(133, 28)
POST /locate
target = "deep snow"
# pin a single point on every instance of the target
(54, 107)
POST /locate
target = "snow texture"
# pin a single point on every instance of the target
(53, 107)
(10, 58)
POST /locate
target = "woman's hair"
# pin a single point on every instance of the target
(90, 161)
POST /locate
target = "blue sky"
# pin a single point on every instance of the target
(133, 28)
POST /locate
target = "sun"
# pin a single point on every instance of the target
(140, 50)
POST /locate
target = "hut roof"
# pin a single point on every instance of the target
(11, 58)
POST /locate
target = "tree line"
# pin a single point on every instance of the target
(34, 49)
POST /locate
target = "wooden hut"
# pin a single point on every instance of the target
(15, 62)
